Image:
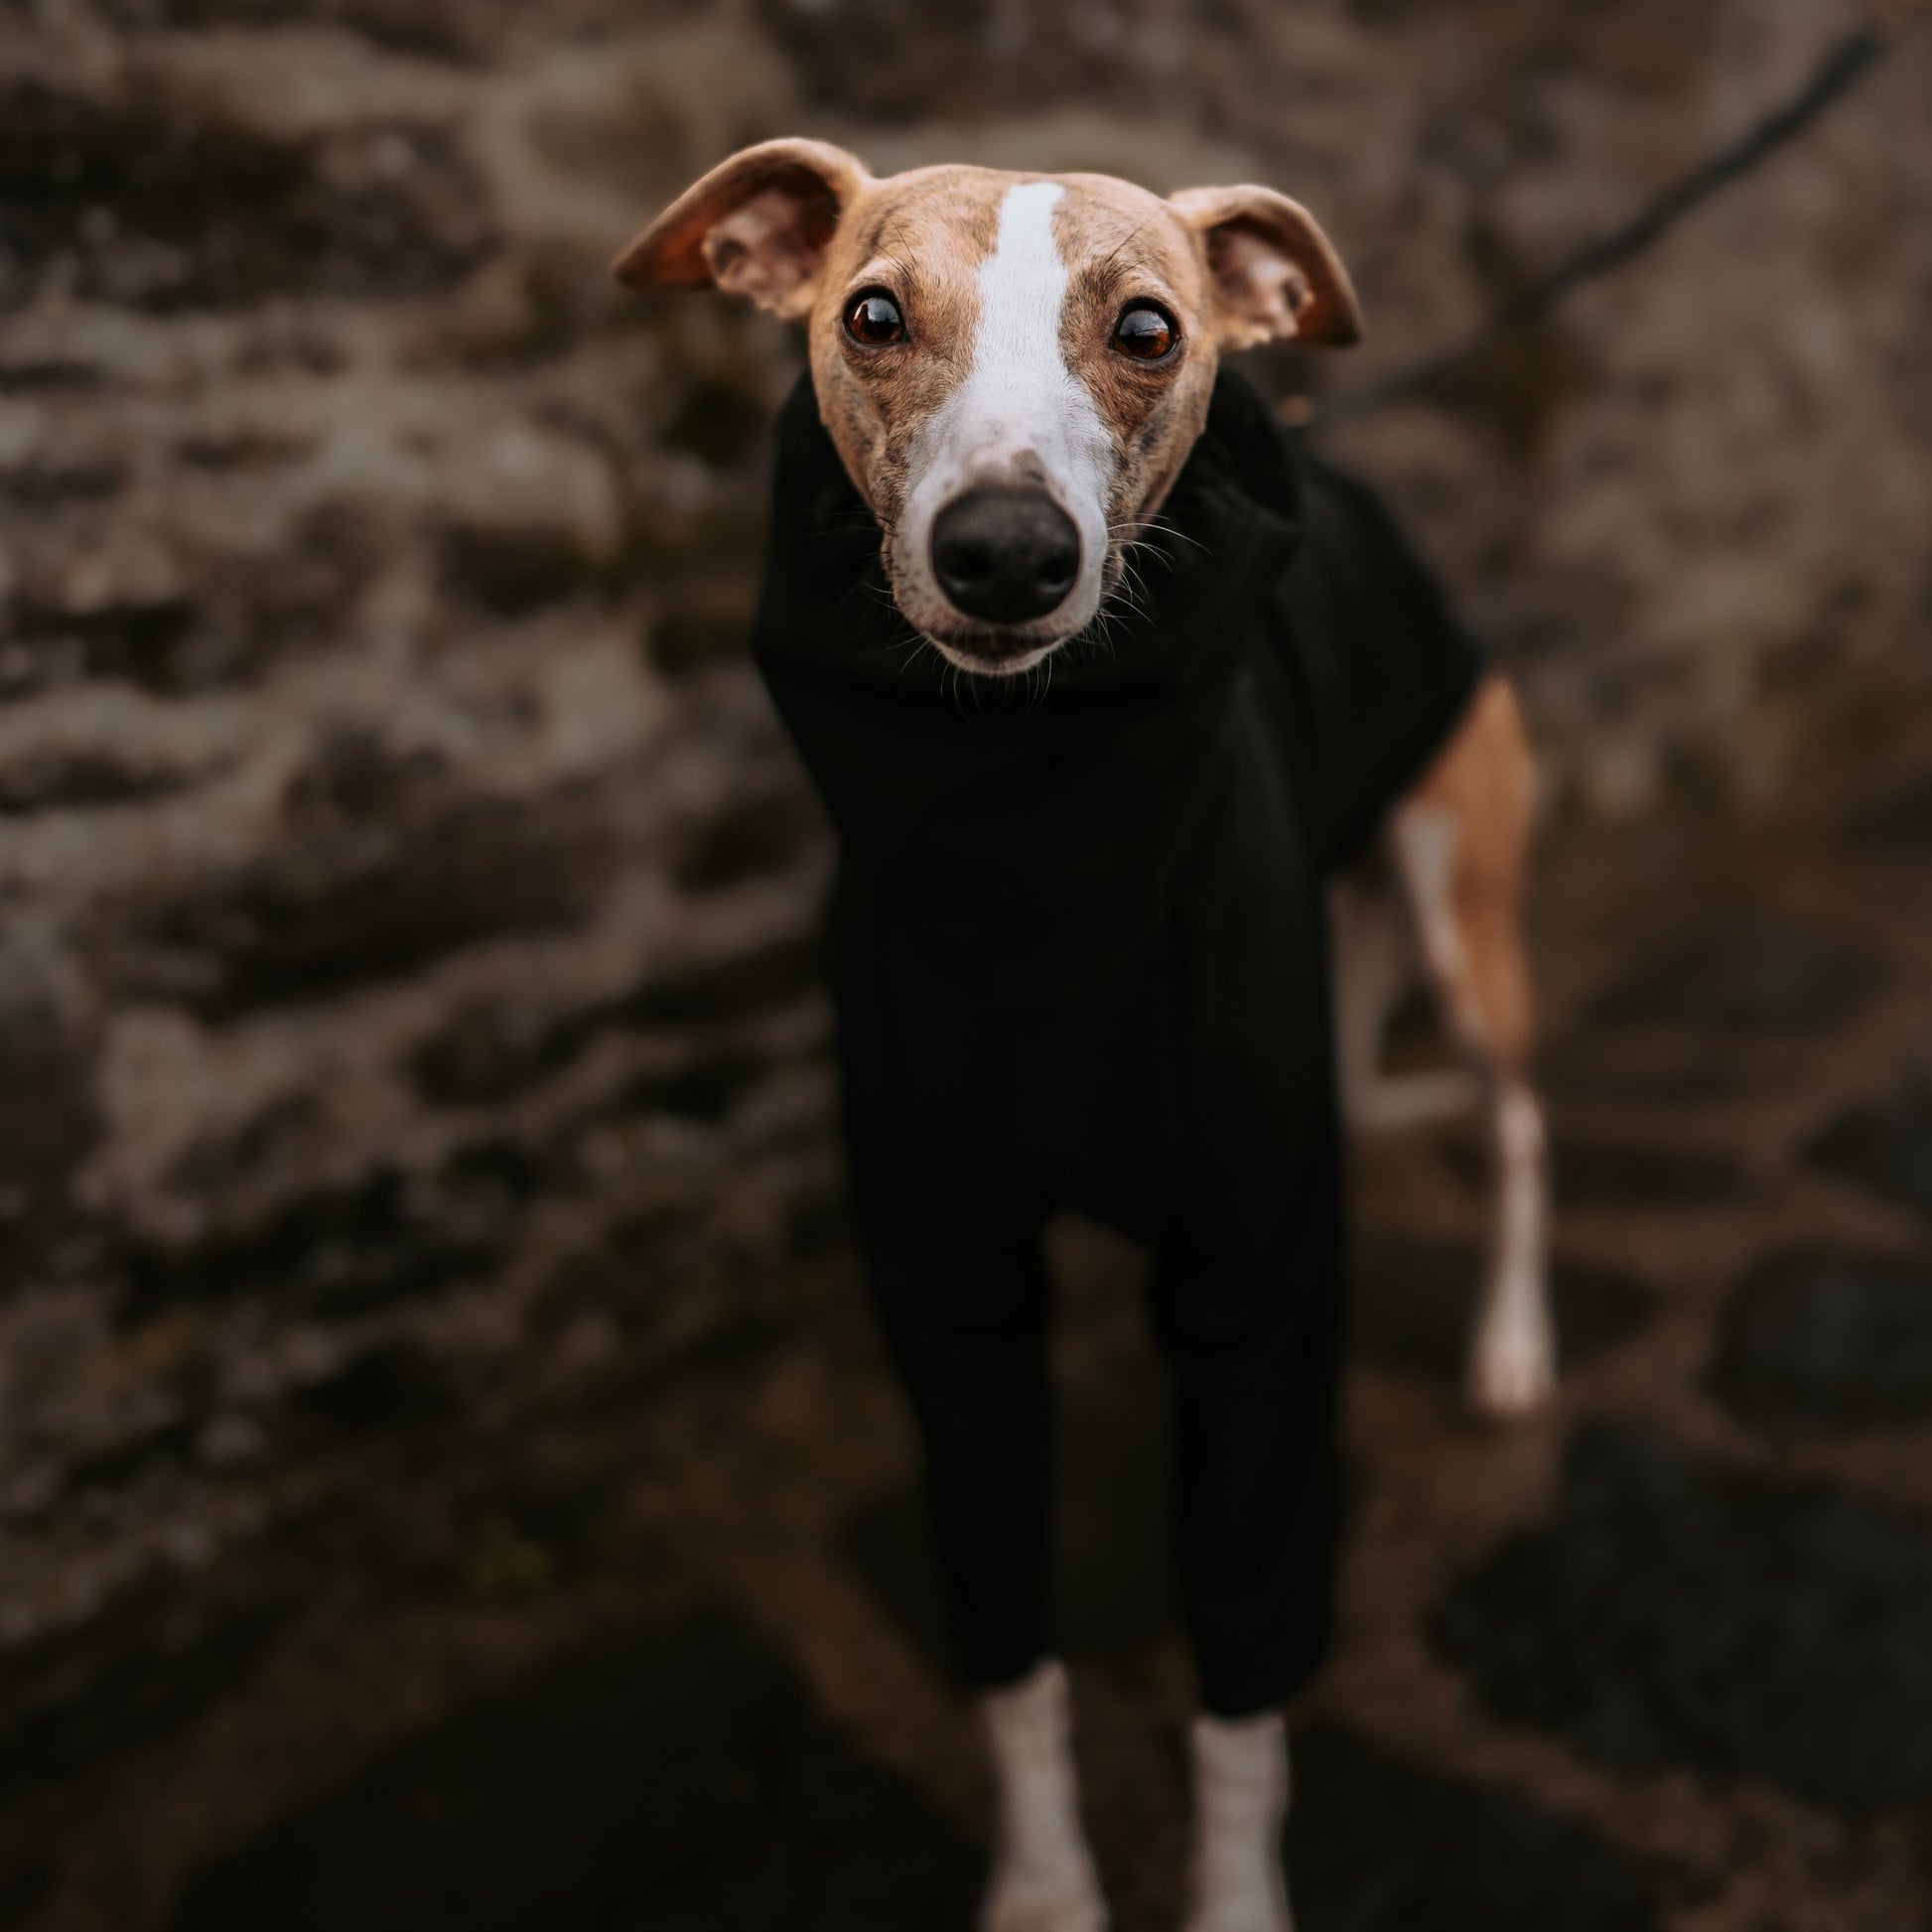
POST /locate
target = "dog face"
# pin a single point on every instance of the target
(1013, 367)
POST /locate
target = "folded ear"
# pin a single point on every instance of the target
(757, 225)
(1274, 272)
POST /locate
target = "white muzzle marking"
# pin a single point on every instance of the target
(1021, 417)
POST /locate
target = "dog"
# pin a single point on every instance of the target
(1125, 709)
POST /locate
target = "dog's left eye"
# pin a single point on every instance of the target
(1145, 332)
(873, 318)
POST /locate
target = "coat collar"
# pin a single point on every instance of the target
(1227, 530)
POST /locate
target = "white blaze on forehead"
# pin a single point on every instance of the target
(1022, 284)
(1020, 415)
(1020, 398)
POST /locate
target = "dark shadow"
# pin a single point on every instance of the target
(1377, 1846)
(676, 1779)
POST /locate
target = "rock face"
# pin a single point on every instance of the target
(1829, 1338)
(695, 1727)
(1553, 1634)
(409, 1001)
(402, 874)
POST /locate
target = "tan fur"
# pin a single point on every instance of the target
(1275, 272)
(1484, 780)
(802, 188)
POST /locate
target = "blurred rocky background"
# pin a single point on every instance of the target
(421, 1244)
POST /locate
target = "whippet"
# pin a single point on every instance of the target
(1103, 684)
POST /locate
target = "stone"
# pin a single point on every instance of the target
(164, 1651)
(751, 838)
(248, 615)
(1600, 1065)
(1375, 1845)
(1670, 1613)
(207, 213)
(730, 988)
(636, 1272)
(1884, 1144)
(870, 59)
(1827, 1338)
(1414, 1306)
(48, 486)
(1752, 976)
(136, 637)
(1606, 1173)
(719, 421)
(48, 1118)
(461, 31)
(672, 1776)
(515, 571)
(61, 781)
(48, 375)
(47, 1107)
(705, 1088)
(1898, 826)
(707, 627)
(21, 1889)
(390, 1382)
(1599, 1171)
(488, 1049)
(384, 862)
(388, 1237)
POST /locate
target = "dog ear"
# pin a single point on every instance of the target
(1275, 273)
(757, 226)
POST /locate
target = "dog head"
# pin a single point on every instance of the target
(1013, 367)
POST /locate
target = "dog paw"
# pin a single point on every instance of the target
(1259, 1906)
(1513, 1372)
(1072, 1903)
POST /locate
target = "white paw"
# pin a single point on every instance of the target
(1068, 1901)
(1513, 1371)
(1256, 1903)
(1261, 1913)
(1241, 1789)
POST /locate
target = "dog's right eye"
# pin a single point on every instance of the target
(1145, 332)
(873, 318)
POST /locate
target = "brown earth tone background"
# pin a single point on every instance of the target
(445, 1478)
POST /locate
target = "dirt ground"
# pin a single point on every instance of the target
(446, 1475)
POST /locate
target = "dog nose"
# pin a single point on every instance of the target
(1005, 555)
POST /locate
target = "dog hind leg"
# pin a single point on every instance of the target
(1373, 966)
(1460, 840)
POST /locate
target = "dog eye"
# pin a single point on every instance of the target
(1145, 332)
(873, 318)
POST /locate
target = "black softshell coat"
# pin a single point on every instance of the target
(1080, 949)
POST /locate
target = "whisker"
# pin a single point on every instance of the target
(1157, 524)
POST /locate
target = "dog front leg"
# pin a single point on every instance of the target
(1241, 1785)
(1044, 1878)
